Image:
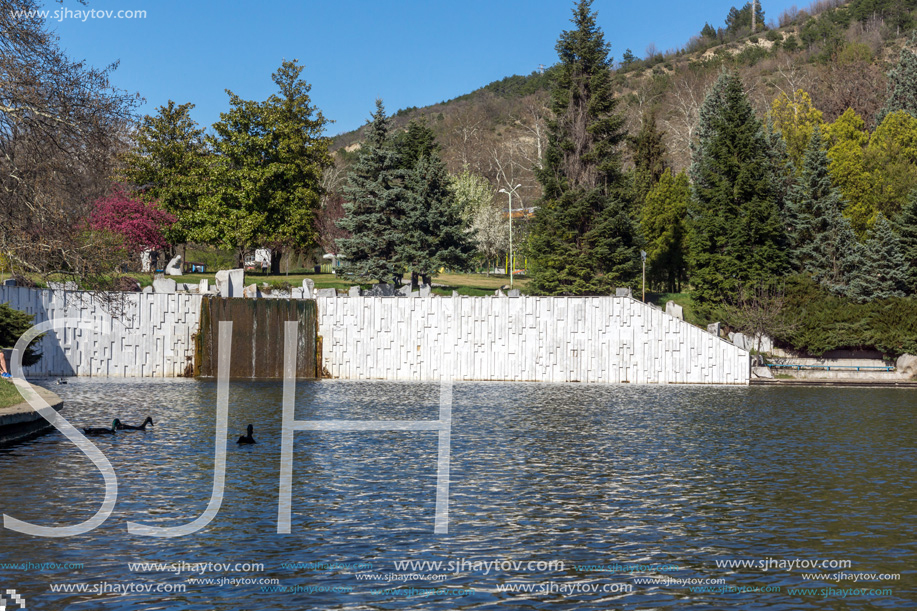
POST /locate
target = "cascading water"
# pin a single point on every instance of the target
(257, 337)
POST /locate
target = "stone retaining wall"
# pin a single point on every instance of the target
(149, 335)
(544, 339)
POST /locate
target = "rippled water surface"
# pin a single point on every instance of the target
(586, 476)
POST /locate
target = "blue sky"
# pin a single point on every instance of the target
(408, 52)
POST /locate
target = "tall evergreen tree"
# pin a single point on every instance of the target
(375, 207)
(415, 142)
(649, 157)
(902, 84)
(433, 233)
(781, 166)
(883, 272)
(583, 240)
(822, 241)
(271, 156)
(906, 226)
(737, 236)
(664, 229)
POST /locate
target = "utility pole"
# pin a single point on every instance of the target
(754, 15)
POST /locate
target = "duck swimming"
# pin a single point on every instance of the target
(102, 430)
(247, 438)
(142, 427)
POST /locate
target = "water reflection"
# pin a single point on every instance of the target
(587, 475)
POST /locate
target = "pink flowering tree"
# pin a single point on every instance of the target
(139, 223)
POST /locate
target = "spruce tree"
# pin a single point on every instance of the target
(883, 272)
(433, 232)
(374, 207)
(737, 236)
(906, 226)
(583, 240)
(649, 157)
(822, 241)
(781, 166)
(415, 142)
(902, 84)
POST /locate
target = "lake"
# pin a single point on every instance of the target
(561, 496)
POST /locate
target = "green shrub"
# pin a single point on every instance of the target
(820, 321)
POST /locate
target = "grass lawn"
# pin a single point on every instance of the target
(682, 299)
(9, 395)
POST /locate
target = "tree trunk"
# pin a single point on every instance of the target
(427, 279)
(276, 256)
(414, 283)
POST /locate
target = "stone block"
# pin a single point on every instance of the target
(741, 341)
(622, 292)
(353, 291)
(298, 293)
(174, 266)
(426, 290)
(147, 289)
(514, 293)
(164, 285)
(308, 287)
(673, 309)
(327, 292)
(251, 292)
(9, 282)
(203, 287)
(499, 293)
(714, 328)
(907, 364)
(230, 282)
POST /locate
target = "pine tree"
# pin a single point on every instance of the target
(433, 232)
(649, 157)
(736, 234)
(902, 84)
(822, 241)
(583, 240)
(883, 273)
(375, 207)
(663, 225)
(906, 226)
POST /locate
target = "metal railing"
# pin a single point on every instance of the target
(830, 367)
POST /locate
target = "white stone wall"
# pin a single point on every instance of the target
(149, 337)
(545, 339)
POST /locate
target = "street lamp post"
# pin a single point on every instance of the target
(510, 266)
(643, 256)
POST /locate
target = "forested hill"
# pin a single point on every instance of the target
(837, 53)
